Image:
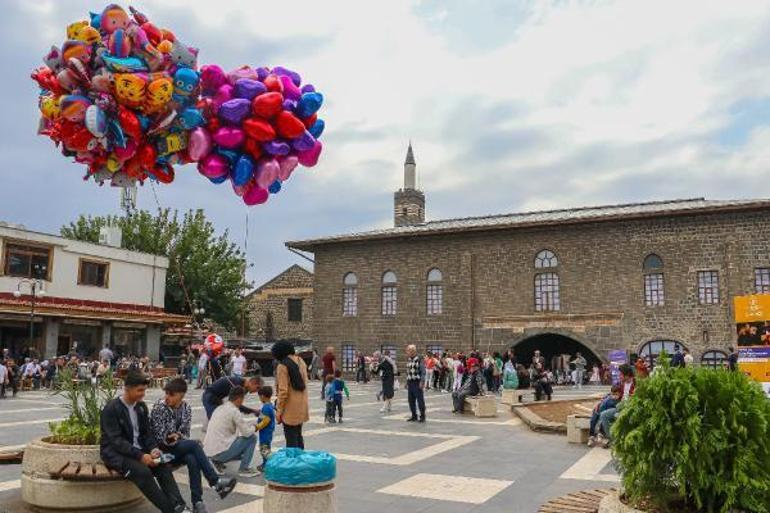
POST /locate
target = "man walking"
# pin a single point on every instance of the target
(238, 363)
(361, 368)
(415, 376)
(580, 369)
(329, 366)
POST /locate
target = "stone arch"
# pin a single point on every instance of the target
(554, 340)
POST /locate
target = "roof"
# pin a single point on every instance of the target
(278, 277)
(409, 155)
(679, 207)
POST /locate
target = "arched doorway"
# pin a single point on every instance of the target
(552, 345)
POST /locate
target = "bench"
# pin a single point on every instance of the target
(517, 395)
(578, 429)
(482, 406)
(159, 376)
(77, 471)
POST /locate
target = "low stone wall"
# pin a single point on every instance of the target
(612, 504)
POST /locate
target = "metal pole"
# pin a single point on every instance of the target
(33, 285)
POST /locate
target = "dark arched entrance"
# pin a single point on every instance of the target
(552, 345)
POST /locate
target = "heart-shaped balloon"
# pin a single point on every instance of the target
(259, 129)
(290, 89)
(255, 195)
(267, 105)
(224, 93)
(249, 88)
(309, 158)
(276, 147)
(241, 72)
(309, 104)
(286, 167)
(295, 77)
(317, 129)
(288, 125)
(273, 83)
(234, 111)
(212, 77)
(267, 172)
(200, 144)
(229, 137)
(214, 166)
(304, 142)
(275, 187)
(243, 170)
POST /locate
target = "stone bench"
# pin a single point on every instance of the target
(578, 429)
(482, 406)
(515, 396)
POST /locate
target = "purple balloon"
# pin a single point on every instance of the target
(293, 75)
(235, 110)
(248, 88)
(289, 105)
(304, 142)
(262, 73)
(276, 147)
(308, 88)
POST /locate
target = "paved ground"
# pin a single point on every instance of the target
(447, 465)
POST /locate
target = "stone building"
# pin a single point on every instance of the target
(640, 277)
(282, 308)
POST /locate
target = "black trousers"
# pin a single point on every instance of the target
(416, 397)
(458, 401)
(293, 435)
(361, 375)
(163, 493)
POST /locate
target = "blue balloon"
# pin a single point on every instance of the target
(317, 129)
(309, 104)
(230, 155)
(243, 170)
(219, 180)
(275, 187)
(124, 64)
(144, 122)
(116, 131)
(96, 20)
(191, 118)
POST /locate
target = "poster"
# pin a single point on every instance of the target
(752, 318)
(755, 363)
(617, 357)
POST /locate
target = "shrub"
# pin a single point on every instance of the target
(695, 440)
(84, 403)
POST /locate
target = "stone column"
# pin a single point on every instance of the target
(152, 341)
(106, 334)
(51, 337)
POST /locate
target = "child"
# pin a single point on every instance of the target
(266, 424)
(609, 401)
(339, 387)
(329, 396)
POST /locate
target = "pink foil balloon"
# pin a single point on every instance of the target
(224, 93)
(214, 166)
(287, 165)
(229, 137)
(290, 91)
(256, 195)
(309, 158)
(242, 72)
(267, 173)
(200, 144)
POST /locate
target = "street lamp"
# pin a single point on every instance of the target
(196, 317)
(36, 289)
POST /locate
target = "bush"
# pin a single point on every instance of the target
(84, 402)
(695, 440)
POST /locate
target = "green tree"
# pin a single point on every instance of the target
(202, 264)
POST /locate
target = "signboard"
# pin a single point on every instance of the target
(617, 357)
(751, 309)
(755, 363)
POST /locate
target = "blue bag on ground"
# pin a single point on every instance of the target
(297, 467)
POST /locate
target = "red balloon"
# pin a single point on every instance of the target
(130, 123)
(147, 156)
(273, 83)
(253, 148)
(163, 174)
(259, 129)
(310, 121)
(267, 105)
(133, 168)
(153, 33)
(289, 125)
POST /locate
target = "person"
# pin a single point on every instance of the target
(361, 368)
(732, 359)
(472, 387)
(608, 416)
(543, 385)
(329, 365)
(33, 372)
(449, 373)
(339, 388)
(386, 368)
(459, 372)
(312, 369)
(510, 376)
(524, 381)
(128, 446)
(687, 359)
(291, 409)
(3, 378)
(328, 390)
(678, 359)
(13, 376)
(203, 362)
(215, 393)
(170, 421)
(231, 436)
(415, 383)
(595, 379)
(538, 361)
(105, 355)
(641, 368)
(238, 364)
(580, 369)
(266, 425)
(608, 401)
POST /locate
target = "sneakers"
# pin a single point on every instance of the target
(249, 472)
(223, 487)
(199, 507)
(182, 508)
(412, 419)
(383, 410)
(219, 467)
(421, 419)
(605, 443)
(591, 441)
(339, 421)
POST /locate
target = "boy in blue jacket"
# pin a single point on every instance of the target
(329, 396)
(339, 388)
(610, 400)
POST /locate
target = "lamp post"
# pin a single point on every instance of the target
(196, 317)
(36, 289)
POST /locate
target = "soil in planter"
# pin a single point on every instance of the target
(558, 412)
(645, 506)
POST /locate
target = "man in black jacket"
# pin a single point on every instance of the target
(216, 393)
(129, 447)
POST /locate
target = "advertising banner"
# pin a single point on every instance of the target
(617, 357)
(755, 362)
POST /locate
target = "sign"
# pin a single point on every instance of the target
(755, 363)
(617, 357)
(754, 308)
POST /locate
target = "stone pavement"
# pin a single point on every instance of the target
(450, 464)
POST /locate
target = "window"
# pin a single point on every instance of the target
(27, 261)
(653, 289)
(435, 292)
(435, 349)
(547, 292)
(762, 280)
(392, 349)
(389, 295)
(652, 263)
(95, 274)
(350, 295)
(348, 357)
(545, 260)
(295, 309)
(708, 287)
(714, 359)
(655, 347)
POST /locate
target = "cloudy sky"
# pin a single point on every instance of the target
(511, 106)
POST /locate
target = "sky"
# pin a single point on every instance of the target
(511, 106)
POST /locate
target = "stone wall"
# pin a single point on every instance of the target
(268, 307)
(488, 281)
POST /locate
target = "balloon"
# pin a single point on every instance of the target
(275, 187)
(276, 147)
(200, 144)
(308, 104)
(288, 125)
(229, 137)
(255, 195)
(267, 172)
(185, 82)
(129, 122)
(125, 152)
(191, 118)
(73, 107)
(249, 88)
(304, 142)
(224, 93)
(293, 75)
(242, 72)
(310, 157)
(259, 130)
(290, 90)
(243, 170)
(267, 105)
(162, 174)
(286, 167)
(214, 166)
(317, 129)
(119, 44)
(113, 17)
(147, 156)
(234, 111)
(212, 78)
(273, 83)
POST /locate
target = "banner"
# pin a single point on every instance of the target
(755, 363)
(617, 357)
(752, 317)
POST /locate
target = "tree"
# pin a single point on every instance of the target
(202, 265)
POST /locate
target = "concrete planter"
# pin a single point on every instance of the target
(612, 504)
(316, 498)
(43, 493)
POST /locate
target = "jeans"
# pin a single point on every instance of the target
(606, 418)
(329, 410)
(594, 421)
(293, 435)
(579, 377)
(190, 453)
(361, 375)
(208, 404)
(164, 494)
(458, 401)
(242, 449)
(416, 397)
(337, 406)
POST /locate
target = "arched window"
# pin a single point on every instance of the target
(654, 290)
(653, 348)
(547, 292)
(389, 293)
(435, 292)
(546, 259)
(350, 295)
(714, 359)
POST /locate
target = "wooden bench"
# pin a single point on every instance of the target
(77, 471)
(482, 406)
(159, 376)
(578, 429)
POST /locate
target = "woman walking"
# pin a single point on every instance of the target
(387, 370)
(292, 404)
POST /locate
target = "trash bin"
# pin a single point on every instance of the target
(301, 481)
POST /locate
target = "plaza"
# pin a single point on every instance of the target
(449, 464)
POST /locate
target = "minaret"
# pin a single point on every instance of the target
(409, 202)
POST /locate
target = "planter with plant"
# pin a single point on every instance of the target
(74, 439)
(695, 440)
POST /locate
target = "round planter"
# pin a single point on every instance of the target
(315, 498)
(612, 504)
(43, 493)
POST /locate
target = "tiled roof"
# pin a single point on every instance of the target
(545, 218)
